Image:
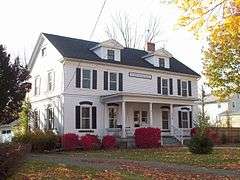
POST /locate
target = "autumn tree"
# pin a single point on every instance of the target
(219, 21)
(13, 87)
(124, 30)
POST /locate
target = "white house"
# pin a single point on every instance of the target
(102, 88)
(220, 111)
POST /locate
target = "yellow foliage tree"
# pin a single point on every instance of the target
(219, 20)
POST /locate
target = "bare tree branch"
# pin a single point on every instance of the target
(130, 34)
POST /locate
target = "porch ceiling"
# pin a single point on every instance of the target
(150, 98)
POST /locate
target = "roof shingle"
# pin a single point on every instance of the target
(80, 49)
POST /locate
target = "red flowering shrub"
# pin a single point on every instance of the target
(147, 137)
(213, 136)
(210, 133)
(89, 142)
(70, 141)
(193, 132)
(109, 142)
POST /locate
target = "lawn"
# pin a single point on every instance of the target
(220, 158)
(42, 170)
(41, 166)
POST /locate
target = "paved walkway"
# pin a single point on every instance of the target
(100, 163)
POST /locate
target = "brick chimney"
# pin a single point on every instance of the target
(150, 47)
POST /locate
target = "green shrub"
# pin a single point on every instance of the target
(200, 145)
(40, 141)
(22, 138)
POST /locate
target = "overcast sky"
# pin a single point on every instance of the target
(23, 21)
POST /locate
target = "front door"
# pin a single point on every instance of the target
(165, 120)
(112, 115)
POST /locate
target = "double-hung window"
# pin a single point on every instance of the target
(36, 118)
(50, 80)
(110, 54)
(185, 119)
(144, 116)
(113, 81)
(86, 80)
(165, 86)
(86, 117)
(44, 51)
(50, 117)
(184, 88)
(37, 82)
(161, 62)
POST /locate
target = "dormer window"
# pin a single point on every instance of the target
(161, 62)
(110, 54)
(108, 50)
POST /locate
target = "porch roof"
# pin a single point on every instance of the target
(150, 98)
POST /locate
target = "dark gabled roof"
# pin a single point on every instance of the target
(80, 49)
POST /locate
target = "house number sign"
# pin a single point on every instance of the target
(140, 75)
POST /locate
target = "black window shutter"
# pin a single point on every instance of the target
(159, 86)
(94, 82)
(78, 77)
(190, 118)
(179, 87)
(120, 82)
(77, 116)
(171, 86)
(189, 88)
(179, 119)
(105, 79)
(94, 117)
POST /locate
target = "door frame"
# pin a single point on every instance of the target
(168, 120)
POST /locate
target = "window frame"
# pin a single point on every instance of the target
(144, 119)
(51, 120)
(161, 62)
(165, 87)
(44, 51)
(89, 79)
(137, 119)
(116, 82)
(81, 117)
(37, 86)
(51, 72)
(36, 117)
(111, 55)
(164, 120)
(114, 118)
(185, 120)
(185, 90)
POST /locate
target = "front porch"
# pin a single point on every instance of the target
(124, 113)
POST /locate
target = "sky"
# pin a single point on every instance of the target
(23, 21)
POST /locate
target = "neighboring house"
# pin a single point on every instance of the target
(6, 132)
(102, 88)
(221, 112)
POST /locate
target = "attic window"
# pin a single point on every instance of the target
(161, 62)
(110, 54)
(44, 51)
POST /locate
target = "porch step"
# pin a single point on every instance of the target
(128, 142)
(170, 140)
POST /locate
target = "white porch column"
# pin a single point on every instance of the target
(123, 119)
(171, 116)
(151, 114)
(105, 116)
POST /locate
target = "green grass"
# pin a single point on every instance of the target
(170, 155)
(43, 170)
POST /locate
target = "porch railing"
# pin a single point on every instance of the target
(180, 133)
(177, 133)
